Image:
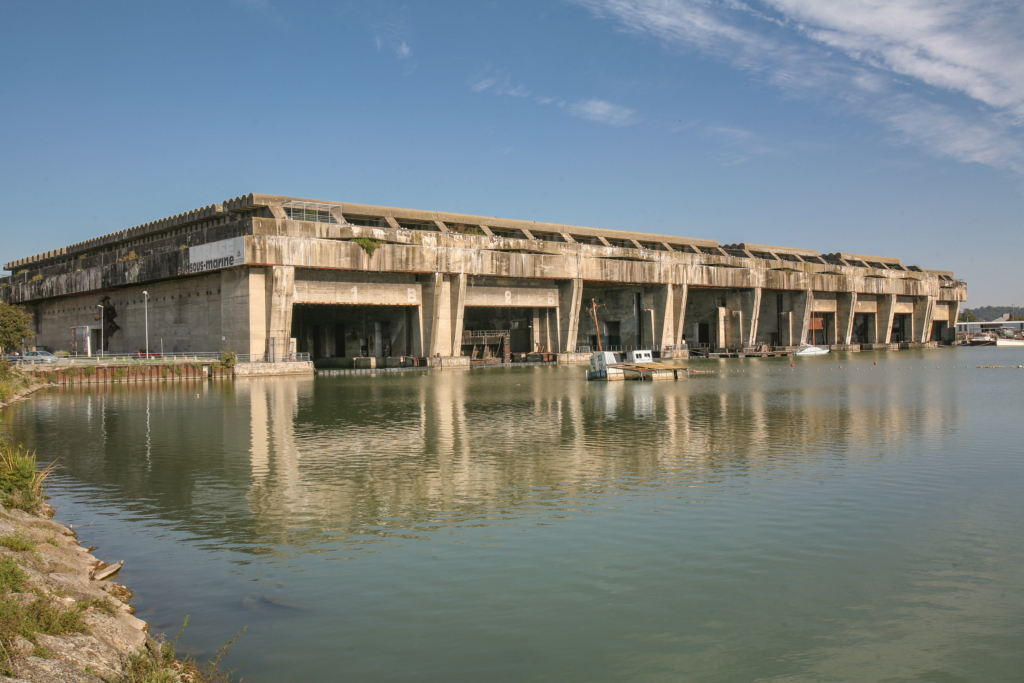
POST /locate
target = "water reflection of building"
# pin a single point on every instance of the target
(388, 456)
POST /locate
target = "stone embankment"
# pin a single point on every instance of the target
(62, 581)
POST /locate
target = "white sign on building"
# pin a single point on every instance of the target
(216, 255)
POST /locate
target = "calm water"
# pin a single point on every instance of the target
(761, 524)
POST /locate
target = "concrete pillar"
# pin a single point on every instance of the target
(570, 295)
(280, 297)
(954, 317)
(663, 313)
(378, 342)
(536, 333)
(458, 309)
(924, 308)
(803, 305)
(736, 333)
(721, 328)
(680, 293)
(884, 317)
(786, 328)
(437, 321)
(846, 305)
(751, 314)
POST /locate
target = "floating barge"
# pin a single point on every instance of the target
(639, 366)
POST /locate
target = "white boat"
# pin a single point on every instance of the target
(811, 351)
(1009, 342)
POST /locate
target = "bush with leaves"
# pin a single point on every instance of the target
(15, 327)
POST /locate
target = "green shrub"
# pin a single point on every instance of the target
(368, 245)
(228, 358)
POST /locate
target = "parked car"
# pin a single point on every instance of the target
(33, 357)
(141, 353)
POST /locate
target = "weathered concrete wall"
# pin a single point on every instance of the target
(203, 313)
(265, 369)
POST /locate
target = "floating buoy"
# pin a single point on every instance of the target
(876, 362)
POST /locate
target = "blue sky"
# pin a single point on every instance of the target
(884, 128)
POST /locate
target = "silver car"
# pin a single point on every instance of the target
(34, 357)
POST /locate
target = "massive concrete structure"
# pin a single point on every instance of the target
(264, 274)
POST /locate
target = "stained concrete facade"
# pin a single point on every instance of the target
(263, 274)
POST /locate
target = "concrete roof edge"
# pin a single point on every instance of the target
(494, 222)
(862, 257)
(778, 250)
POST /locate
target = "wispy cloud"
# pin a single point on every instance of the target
(947, 75)
(600, 111)
(498, 84)
(392, 31)
(263, 8)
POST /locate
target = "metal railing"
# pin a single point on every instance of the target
(205, 357)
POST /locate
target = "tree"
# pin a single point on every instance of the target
(15, 326)
(967, 316)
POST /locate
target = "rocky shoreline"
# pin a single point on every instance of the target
(62, 618)
(60, 571)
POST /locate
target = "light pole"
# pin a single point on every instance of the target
(145, 300)
(100, 306)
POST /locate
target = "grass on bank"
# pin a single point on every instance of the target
(21, 480)
(11, 381)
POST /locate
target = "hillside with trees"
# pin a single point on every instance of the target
(987, 313)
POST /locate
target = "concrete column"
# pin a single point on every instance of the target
(786, 328)
(570, 295)
(924, 308)
(680, 293)
(551, 329)
(954, 313)
(536, 334)
(751, 313)
(721, 328)
(458, 308)
(280, 297)
(736, 336)
(378, 342)
(884, 317)
(803, 305)
(846, 305)
(437, 332)
(664, 334)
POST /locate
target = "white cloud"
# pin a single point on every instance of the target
(402, 50)
(963, 60)
(601, 111)
(499, 85)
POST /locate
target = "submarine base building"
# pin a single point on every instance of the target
(268, 276)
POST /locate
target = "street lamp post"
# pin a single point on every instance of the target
(145, 300)
(100, 306)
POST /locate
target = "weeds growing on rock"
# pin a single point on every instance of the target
(18, 542)
(27, 617)
(158, 665)
(21, 481)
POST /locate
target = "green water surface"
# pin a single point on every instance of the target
(831, 521)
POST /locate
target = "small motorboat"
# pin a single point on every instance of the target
(811, 351)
